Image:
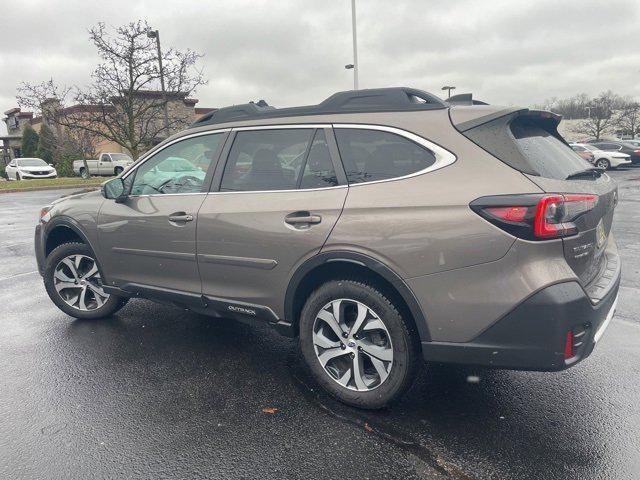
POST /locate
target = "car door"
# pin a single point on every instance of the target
(148, 241)
(276, 199)
(105, 166)
(11, 170)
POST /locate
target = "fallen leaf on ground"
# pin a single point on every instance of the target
(367, 427)
(269, 410)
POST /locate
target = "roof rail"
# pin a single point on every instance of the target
(352, 101)
(464, 99)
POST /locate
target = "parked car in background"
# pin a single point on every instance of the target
(108, 164)
(601, 158)
(380, 227)
(618, 146)
(633, 142)
(28, 168)
(585, 153)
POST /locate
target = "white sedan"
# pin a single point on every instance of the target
(24, 168)
(605, 160)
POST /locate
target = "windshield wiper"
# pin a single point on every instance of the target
(592, 172)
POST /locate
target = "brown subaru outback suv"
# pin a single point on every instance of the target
(380, 227)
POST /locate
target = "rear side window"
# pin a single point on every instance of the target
(370, 155)
(529, 144)
(278, 159)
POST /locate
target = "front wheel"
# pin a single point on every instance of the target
(18, 177)
(73, 281)
(603, 163)
(357, 345)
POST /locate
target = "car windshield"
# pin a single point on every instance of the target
(31, 162)
(120, 156)
(591, 147)
(176, 164)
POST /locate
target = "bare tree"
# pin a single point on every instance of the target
(120, 103)
(629, 117)
(601, 115)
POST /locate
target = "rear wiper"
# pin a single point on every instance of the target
(592, 172)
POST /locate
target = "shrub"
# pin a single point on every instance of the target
(64, 167)
(3, 173)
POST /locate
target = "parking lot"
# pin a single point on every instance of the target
(157, 392)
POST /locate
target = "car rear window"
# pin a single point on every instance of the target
(547, 154)
(529, 144)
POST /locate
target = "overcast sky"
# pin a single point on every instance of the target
(293, 52)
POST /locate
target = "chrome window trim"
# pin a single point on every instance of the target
(152, 154)
(444, 157)
(279, 191)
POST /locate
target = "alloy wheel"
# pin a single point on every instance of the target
(77, 280)
(603, 164)
(352, 344)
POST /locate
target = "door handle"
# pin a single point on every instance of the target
(298, 218)
(179, 217)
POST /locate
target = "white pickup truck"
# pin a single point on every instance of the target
(107, 164)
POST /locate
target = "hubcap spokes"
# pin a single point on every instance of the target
(77, 280)
(352, 344)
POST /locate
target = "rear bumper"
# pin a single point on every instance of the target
(533, 335)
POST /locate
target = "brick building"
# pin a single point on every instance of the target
(178, 106)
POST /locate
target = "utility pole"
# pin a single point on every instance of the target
(156, 34)
(355, 45)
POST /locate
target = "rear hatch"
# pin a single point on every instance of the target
(529, 142)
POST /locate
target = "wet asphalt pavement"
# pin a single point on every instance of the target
(156, 392)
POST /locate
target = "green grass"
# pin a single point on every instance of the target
(52, 182)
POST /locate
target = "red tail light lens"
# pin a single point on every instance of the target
(555, 212)
(535, 217)
(509, 214)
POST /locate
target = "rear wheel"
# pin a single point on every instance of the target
(73, 281)
(357, 345)
(603, 163)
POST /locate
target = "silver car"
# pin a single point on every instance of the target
(380, 228)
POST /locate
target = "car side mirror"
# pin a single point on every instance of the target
(114, 189)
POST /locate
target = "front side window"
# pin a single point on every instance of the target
(178, 168)
(278, 159)
(370, 155)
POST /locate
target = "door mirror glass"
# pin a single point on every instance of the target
(113, 189)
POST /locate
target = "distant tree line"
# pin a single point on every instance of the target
(605, 113)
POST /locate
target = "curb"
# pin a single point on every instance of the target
(51, 187)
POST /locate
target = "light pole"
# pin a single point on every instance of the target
(448, 89)
(156, 34)
(355, 46)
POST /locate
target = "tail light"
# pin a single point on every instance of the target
(535, 217)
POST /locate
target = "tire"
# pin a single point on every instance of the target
(83, 173)
(18, 177)
(603, 163)
(59, 274)
(118, 170)
(337, 376)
